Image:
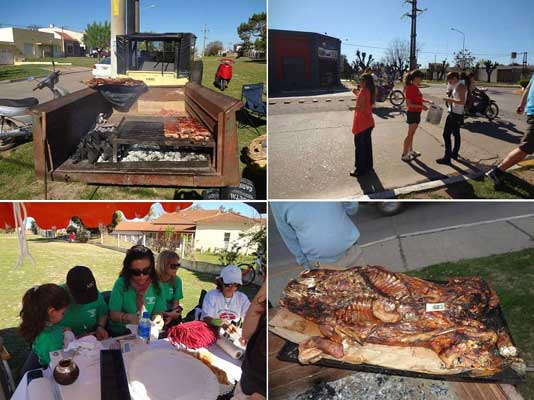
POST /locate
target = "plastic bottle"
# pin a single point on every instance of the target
(143, 329)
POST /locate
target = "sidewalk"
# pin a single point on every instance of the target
(415, 250)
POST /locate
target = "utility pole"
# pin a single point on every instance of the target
(204, 31)
(413, 36)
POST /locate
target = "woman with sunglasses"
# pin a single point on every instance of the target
(136, 290)
(171, 286)
(226, 303)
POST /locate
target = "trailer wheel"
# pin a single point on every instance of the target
(196, 72)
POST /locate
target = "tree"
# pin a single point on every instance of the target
(490, 67)
(255, 27)
(464, 59)
(347, 71)
(398, 56)
(213, 48)
(97, 35)
(441, 69)
(361, 59)
(117, 217)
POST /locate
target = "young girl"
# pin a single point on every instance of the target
(414, 104)
(363, 126)
(42, 309)
(455, 118)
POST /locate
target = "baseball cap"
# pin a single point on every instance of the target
(82, 284)
(231, 274)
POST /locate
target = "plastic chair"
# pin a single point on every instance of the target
(195, 313)
(254, 104)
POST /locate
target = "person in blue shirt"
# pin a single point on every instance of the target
(526, 146)
(319, 233)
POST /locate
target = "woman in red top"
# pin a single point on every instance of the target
(363, 125)
(414, 103)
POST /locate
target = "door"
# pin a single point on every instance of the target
(28, 50)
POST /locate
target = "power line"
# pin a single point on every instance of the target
(413, 35)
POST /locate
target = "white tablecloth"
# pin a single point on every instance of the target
(87, 386)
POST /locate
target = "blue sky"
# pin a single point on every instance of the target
(222, 18)
(493, 28)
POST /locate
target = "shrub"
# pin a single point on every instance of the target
(523, 83)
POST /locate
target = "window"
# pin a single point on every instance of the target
(226, 236)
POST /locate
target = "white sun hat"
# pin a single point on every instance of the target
(231, 274)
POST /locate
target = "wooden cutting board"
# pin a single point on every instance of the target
(296, 329)
(286, 377)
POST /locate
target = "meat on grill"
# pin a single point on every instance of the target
(373, 305)
(185, 128)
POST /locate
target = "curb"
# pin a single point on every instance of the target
(437, 184)
(24, 79)
(300, 101)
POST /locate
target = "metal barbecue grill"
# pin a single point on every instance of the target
(149, 131)
(60, 125)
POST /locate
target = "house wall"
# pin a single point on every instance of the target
(213, 237)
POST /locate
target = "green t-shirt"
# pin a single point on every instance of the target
(50, 339)
(125, 301)
(172, 293)
(83, 318)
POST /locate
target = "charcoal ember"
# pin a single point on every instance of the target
(95, 145)
(141, 153)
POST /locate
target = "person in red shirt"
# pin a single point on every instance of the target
(363, 125)
(415, 105)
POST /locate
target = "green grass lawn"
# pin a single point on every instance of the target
(87, 62)
(17, 178)
(53, 259)
(511, 275)
(10, 72)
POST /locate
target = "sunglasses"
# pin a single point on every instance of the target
(138, 272)
(174, 266)
(231, 284)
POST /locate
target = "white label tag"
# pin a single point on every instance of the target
(435, 307)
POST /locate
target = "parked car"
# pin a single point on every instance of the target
(103, 68)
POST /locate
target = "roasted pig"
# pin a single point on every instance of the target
(373, 305)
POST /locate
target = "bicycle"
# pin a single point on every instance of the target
(249, 269)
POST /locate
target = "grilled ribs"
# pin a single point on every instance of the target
(373, 305)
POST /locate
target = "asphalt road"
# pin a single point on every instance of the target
(425, 233)
(19, 90)
(311, 150)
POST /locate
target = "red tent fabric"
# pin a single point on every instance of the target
(92, 213)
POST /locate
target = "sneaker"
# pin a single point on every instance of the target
(444, 161)
(496, 176)
(415, 154)
(407, 157)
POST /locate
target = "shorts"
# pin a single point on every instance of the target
(413, 117)
(527, 142)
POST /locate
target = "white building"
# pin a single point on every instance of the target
(204, 230)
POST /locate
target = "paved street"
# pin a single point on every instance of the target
(311, 150)
(425, 233)
(70, 82)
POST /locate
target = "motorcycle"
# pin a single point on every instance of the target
(483, 105)
(223, 75)
(16, 123)
(388, 91)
